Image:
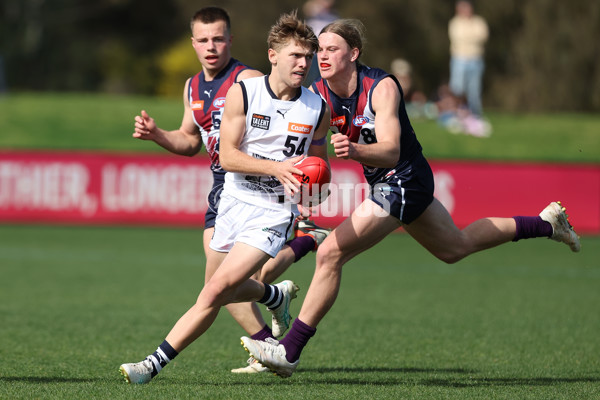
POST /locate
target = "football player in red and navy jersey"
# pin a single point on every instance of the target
(370, 125)
(204, 99)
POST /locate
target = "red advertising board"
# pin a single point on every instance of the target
(164, 189)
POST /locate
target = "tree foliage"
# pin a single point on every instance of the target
(541, 55)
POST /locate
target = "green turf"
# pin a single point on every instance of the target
(517, 322)
(104, 122)
(80, 121)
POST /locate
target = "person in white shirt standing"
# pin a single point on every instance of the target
(468, 34)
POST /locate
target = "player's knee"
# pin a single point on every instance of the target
(214, 294)
(450, 250)
(328, 256)
(450, 256)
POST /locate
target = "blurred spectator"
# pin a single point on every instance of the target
(468, 34)
(455, 116)
(417, 105)
(448, 106)
(318, 14)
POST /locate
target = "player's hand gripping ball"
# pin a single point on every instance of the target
(314, 187)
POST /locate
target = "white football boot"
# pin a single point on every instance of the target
(307, 227)
(270, 354)
(253, 367)
(137, 373)
(280, 320)
(562, 231)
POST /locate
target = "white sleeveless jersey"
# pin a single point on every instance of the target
(275, 130)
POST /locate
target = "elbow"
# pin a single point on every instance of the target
(191, 149)
(191, 152)
(390, 164)
(391, 160)
(225, 161)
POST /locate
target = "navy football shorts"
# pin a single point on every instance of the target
(213, 199)
(405, 193)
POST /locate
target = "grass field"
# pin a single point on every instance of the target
(101, 122)
(517, 322)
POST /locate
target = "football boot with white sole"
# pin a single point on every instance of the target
(271, 354)
(307, 227)
(137, 373)
(562, 231)
(253, 367)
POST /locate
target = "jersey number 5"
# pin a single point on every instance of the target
(216, 119)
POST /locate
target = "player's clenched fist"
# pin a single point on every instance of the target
(144, 126)
(341, 145)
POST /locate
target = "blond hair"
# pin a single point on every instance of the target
(351, 30)
(289, 27)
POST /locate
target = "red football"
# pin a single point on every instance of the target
(316, 175)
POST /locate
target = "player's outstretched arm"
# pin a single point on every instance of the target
(185, 141)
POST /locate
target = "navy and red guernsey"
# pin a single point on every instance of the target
(207, 100)
(354, 117)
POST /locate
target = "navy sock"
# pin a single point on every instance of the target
(532, 227)
(301, 246)
(296, 339)
(272, 297)
(264, 333)
(164, 354)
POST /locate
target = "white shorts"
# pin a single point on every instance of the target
(264, 228)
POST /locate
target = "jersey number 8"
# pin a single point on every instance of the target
(367, 136)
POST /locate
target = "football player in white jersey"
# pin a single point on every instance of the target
(212, 42)
(260, 143)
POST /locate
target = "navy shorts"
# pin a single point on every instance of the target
(213, 199)
(405, 192)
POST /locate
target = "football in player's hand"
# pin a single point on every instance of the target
(315, 181)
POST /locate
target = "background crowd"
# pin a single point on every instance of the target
(536, 58)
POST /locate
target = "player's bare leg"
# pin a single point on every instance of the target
(247, 314)
(294, 250)
(229, 283)
(308, 237)
(435, 230)
(361, 231)
(275, 267)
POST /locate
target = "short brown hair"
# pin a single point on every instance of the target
(290, 27)
(351, 30)
(208, 15)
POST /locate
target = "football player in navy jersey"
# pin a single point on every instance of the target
(204, 99)
(371, 126)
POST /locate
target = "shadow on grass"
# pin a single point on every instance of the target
(398, 370)
(456, 382)
(485, 382)
(383, 380)
(381, 376)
